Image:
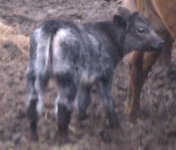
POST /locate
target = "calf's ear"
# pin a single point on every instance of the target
(124, 12)
(120, 21)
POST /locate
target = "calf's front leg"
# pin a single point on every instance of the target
(83, 100)
(104, 88)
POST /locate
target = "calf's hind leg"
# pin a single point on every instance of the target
(35, 87)
(64, 101)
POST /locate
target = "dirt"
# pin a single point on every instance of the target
(156, 126)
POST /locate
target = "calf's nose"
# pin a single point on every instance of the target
(161, 45)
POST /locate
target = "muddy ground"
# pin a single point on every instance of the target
(156, 127)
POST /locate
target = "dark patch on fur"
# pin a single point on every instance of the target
(32, 114)
(63, 118)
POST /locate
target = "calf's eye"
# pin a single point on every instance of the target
(142, 30)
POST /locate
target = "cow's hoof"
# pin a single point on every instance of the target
(127, 110)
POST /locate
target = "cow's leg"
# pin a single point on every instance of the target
(64, 101)
(35, 86)
(135, 82)
(83, 100)
(104, 89)
(140, 64)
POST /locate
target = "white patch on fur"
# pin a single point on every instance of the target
(63, 101)
(59, 64)
(87, 78)
(40, 93)
(39, 106)
(94, 41)
(42, 51)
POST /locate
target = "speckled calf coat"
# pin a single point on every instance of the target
(78, 56)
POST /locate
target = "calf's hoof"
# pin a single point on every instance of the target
(33, 136)
(63, 130)
(82, 117)
(132, 114)
(63, 138)
(63, 119)
(133, 117)
(114, 123)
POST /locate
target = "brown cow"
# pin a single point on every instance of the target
(162, 15)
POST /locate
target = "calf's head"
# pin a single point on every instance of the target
(138, 32)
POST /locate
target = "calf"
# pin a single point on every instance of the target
(78, 56)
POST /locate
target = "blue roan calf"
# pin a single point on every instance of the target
(78, 56)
